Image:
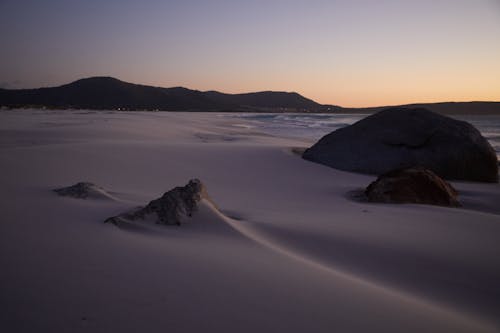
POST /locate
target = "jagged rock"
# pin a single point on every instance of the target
(84, 190)
(399, 138)
(170, 207)
(414, 185)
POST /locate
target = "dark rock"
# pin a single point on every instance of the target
(415, 185)
(84, 190)
(399, 138)
(169, 208)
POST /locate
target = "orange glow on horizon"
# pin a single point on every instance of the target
(347, 53)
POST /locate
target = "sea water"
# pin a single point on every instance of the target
(314, 126)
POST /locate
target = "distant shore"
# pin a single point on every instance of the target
(108, 93)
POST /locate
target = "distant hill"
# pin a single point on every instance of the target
(266, 99)
(107, 93)
(111, 93)
(456, 108)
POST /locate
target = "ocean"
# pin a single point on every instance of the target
(314, 126)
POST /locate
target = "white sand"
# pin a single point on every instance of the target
(295, 255)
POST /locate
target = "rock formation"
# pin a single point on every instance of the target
(414, 185)
(400, 138)
(170, 207)
(84, 190)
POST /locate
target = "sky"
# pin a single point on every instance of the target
(349, 53)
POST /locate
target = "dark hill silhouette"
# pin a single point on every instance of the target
(456, 108)
(111, 93)
(108, 93)
(266, 99)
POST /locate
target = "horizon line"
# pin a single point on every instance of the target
(255, 92)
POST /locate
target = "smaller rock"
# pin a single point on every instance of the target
(169, 208)
(413, 185)
(84, 190)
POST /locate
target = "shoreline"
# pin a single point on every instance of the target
(344, 111)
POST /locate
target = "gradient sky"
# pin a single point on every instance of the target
(349, 53)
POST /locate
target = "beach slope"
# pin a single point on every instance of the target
(286, 246)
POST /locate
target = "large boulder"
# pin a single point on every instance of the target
(399, 138)
(414, 185)
(170, 208)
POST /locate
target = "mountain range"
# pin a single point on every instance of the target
(107, 93)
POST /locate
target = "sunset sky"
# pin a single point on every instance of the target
(349, 53)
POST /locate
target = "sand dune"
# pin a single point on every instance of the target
(285, 249)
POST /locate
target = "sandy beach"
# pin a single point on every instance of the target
(287, 248)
